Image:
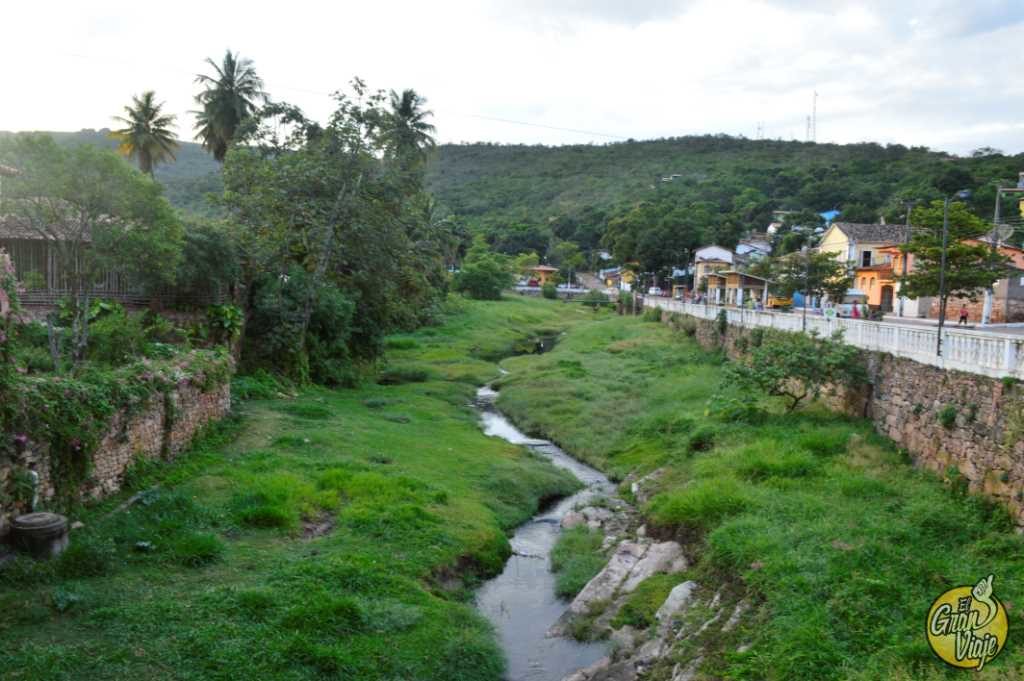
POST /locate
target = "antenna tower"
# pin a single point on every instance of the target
(814, 118)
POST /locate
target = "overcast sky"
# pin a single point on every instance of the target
(948, 74)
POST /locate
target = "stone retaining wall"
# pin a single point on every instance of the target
(981, 436)
(162, 429)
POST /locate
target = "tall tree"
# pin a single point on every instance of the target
(147, 137)
(407, 134)
(229, 97)
(970, 268)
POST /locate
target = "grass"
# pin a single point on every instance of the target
(218, 570)
(825, 526)
(576, 558)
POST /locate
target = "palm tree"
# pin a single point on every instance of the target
(410, 131)
(147, 135)
(228, 98)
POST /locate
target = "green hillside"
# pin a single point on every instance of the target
(720, 186)
(615, 195)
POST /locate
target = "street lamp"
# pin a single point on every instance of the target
(962, 194)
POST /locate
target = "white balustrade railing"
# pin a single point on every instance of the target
(977, 352)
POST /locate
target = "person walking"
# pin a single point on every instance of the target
(963, 315)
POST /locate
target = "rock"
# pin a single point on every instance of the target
(590, 672)
(687, 673)
(678, 599)
(641, 531)
(573, 519)
(744, 647)
(659, 558)
(734, 618)
(77, 525)
(592, 513)
(624, 640)
(604, 586)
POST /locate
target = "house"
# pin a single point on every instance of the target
(543, 274)
(710, 259)
(732, 287)
(618, 277)
(39, 266)
(859, 244)
(754, 246)
(1007, 304)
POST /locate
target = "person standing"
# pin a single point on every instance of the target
(963, 315)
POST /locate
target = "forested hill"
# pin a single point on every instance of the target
(186, 181)
(734, 183)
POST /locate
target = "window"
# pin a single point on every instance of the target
(865, 259)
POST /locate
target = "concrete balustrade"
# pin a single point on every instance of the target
(978, 352)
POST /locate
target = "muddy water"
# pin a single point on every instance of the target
(521, 601)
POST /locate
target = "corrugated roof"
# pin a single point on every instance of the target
(873, 233)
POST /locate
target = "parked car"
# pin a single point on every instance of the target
(777, 302)
(655, 291)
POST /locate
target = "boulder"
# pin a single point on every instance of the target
(663, 557)
(573, 519)
(678, 599)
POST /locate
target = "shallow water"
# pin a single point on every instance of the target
(521, 601)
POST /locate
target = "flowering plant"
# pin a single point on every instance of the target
(9, 290)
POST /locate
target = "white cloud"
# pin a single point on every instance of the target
(940, 73)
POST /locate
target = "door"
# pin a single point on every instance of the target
(886, 299)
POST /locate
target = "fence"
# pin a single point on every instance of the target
(977, 352)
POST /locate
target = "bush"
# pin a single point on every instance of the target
(947, 417)
(400, 375)
(116, 338)
(549, 291)
(196, 549)
(700, 505)
(652, 314)
(701, 439)
(86, 556)
(258, 385)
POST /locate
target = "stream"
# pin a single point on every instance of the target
(521, 601)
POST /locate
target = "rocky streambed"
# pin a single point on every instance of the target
(534, 626)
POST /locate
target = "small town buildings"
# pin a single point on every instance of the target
(710, 259)
(620, 278)
(860, 244)
(731, 287)
(543, 274)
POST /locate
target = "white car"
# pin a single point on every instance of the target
(654, 291)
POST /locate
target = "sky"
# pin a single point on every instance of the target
(946, 74)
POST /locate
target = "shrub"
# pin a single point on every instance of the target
(947, 417)
(196, 549)
(116, 338)
(258, 385)
(594, 299)
(401, 343)
(400, 375)
(224, 322)
(86, 556)
(702, 439)
(700, 505)
(484, 275)
(549, 291)
(652, 314)
(688, 325)
(797, 366)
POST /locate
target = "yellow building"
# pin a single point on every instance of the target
(859, 244)
(544, 274)
(731, 287)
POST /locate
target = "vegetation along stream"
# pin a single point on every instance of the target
(521, 601)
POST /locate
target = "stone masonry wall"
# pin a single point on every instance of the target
(905, 401)
(162, 430)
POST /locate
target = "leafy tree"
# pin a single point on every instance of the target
(796, 366)
(970, 268)
(484, 274)
(98, 213)
(812, 274)
(318, 197)
(229, 97)
(147, 137)
(407, 133)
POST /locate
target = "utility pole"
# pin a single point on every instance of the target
(814, 118)
(942, 276)
(986, 314)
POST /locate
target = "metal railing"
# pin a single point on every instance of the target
(976, 352)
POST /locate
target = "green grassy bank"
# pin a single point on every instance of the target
(329, 535)
(840, 545)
